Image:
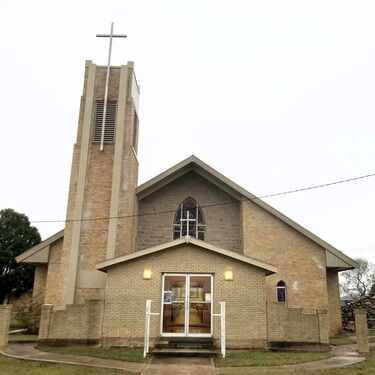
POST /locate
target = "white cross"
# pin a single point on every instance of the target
(110, 36)
(188, 221)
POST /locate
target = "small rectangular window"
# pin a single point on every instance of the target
(110, 121)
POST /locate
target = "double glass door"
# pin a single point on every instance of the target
(186, 305)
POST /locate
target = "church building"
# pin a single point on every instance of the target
(187, 239)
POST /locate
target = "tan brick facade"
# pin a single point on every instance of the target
(94, 171)
(127, 292)
(361, 331)
(109, 217)
(300, 261)
(5, 315)
(53, 285)
(334, 307)
(81, 322)
(286, 324)
(40, 281)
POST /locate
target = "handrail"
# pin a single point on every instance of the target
(222, 327)
(146, 343)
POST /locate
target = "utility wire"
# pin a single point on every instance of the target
(211, 204)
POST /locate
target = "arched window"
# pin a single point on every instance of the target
(281, 291)
(189, 220)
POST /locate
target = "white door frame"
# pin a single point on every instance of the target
(186, 306)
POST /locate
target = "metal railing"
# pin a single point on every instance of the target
(222, 327)
(147, 327)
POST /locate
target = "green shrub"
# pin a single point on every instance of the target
(28, 312)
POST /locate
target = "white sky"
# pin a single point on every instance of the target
(276, 95)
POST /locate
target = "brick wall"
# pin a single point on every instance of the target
(293, 325)
(334, 308)
(127, 292)
(81, 322)
(98, 177)
(40, 281)
(5, 315)
(222, 221)
(54, 276)
(300, 261)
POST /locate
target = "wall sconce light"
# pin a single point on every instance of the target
(146, 274)
(228, 275)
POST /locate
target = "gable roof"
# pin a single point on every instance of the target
(192, 163)
(103, 266)
(39, 254)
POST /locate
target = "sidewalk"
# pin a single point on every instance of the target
(28, 352)
(336, 361)
(174, 365)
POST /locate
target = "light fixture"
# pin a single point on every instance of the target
(228, 275)
(146, 274)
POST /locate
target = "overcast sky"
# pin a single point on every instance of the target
(276, 95)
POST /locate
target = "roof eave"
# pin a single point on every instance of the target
(28, 253)
(193, 163)
(268, 268)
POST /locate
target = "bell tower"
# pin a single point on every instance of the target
(101, 212)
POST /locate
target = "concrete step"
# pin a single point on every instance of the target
(184, 352)
(185, 346)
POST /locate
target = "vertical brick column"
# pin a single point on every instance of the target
(94, 319)
(45, 321)
(361, 330)
(323, 326)
(5, 314)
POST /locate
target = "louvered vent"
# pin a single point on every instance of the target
(110, 121)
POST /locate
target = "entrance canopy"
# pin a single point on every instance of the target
(268, 268)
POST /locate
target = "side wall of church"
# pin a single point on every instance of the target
(334, 307)
(127, 292)
(300, 262)
(40, 281)
(54, 281)
(221, 220)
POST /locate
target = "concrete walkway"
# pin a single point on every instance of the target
(174, 365)
(179, 366)
(28, 352)
(336, 361)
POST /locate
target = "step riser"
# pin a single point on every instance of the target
(185, 347)
(173, 354)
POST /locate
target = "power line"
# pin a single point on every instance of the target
(210, 205)
(319, 186)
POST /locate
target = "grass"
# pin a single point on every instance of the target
(15, 323)
(22, 337)
(346, 338)
(363, 368)
(129, 355)
(19, 367)
(262, 359)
